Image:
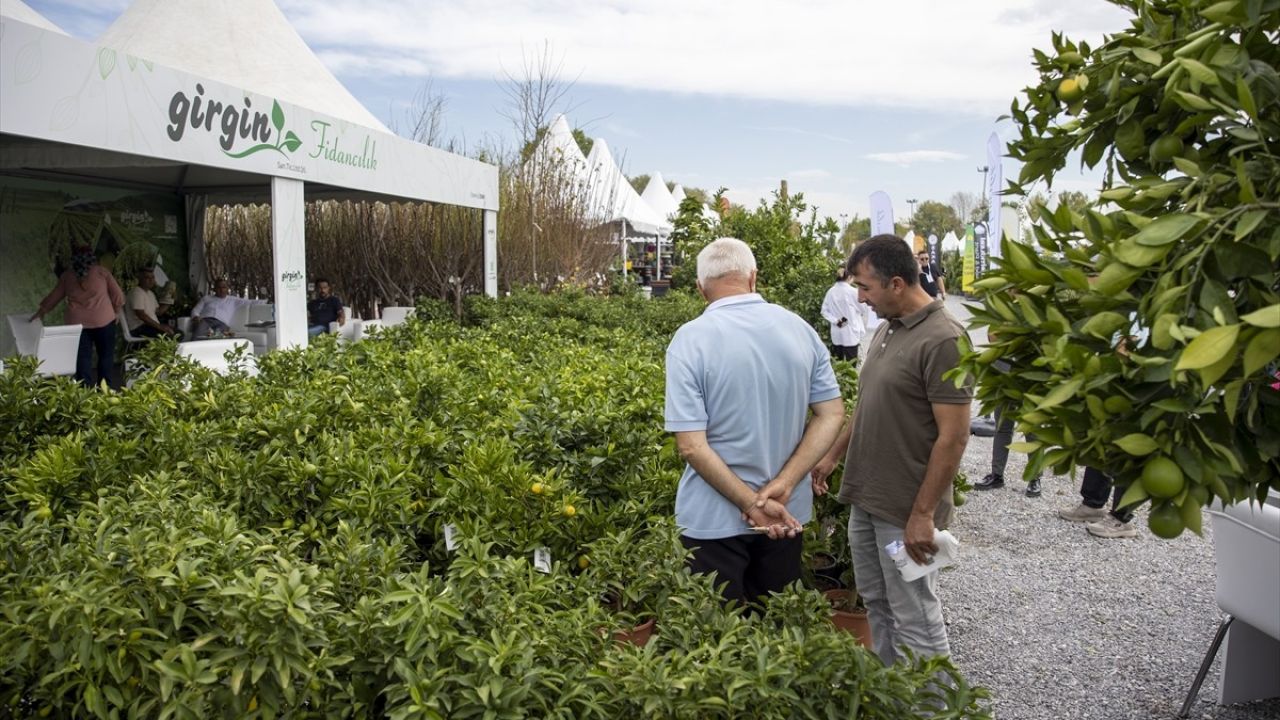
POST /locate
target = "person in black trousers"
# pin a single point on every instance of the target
(1094, 489)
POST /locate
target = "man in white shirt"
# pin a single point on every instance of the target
(213, 314)
(847, 317)
(142, 310)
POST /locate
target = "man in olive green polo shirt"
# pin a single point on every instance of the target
(904, 444)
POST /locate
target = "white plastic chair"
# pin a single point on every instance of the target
(212, 354)
(350, 331)
(395, 315)
(55, 346)
(26, 333)
(1246, 543)
(262, 312)
(129, 338)
(59, 345)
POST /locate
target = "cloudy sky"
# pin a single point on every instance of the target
(839, 97)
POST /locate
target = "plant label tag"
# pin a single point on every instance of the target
(542, 560)
(450, 537)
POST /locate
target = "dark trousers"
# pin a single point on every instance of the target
(1000, 442)
(844, 352)
(1094, 489)
(748, 566)
(103, 340)
(146, 331)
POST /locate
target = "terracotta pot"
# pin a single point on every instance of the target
(854, 622)
(638, 635)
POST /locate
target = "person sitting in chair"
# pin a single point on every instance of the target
(325, 308)
(214, 313)
(143, 311)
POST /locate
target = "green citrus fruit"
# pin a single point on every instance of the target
(537, 488)
(1117, 405)
(1162, 478)
(1071, 58)
(583, 562)
(1165, 521)
(570, 511)
(1069, 90)
(958, 498)
(1166, 148)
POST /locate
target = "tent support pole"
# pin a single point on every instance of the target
(491, 253)
(289, 260)
(623, 241)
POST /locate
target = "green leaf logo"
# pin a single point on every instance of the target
(106, 61)
(277, 115)
(291, 141)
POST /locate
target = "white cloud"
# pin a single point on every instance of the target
(969, 56)
(911, 157)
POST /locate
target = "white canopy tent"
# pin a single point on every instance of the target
(659, 198)
(246, 44)
(665, 205)
(617, 201)
(72, 111)
(558, 146)
(678, 194)
(22, 12)
(613, 195)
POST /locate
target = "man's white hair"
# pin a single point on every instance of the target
(725, 256)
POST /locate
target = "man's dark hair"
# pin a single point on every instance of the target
(319, 280)
(889, 257)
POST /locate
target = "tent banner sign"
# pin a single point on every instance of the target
(63, 90)
(242, 131)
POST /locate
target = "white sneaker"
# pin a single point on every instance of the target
(1082, 513)
(1111, 527)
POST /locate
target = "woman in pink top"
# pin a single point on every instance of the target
(93, 300)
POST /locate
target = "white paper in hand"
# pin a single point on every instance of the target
(912, 571)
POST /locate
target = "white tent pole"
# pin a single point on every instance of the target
(624, 248)
(658, 244)
(289, 261)
(491, 253)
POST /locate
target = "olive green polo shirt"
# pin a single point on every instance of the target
(893, 429)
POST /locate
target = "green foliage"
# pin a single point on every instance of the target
(953, 266)
(205, 546)
(1144, 326)
(795, 269)
(692, 233)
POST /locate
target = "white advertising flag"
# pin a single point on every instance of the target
(995, 181)
(881, 214)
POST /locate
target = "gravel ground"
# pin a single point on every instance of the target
(1060, 624)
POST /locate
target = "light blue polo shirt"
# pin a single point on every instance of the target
(746, 372)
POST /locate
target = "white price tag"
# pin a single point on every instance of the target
(450, 537)
(542, 560)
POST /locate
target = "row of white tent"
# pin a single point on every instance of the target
(611, 198)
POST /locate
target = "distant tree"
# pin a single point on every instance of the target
(424, 117)
(703, 196)
(692, 233)
(965, 205)
(856, 231)
(639, 182)
(935, 218)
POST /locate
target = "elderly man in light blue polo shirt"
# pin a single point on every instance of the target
(741, 380)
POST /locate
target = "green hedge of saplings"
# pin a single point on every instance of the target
(203, 546)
